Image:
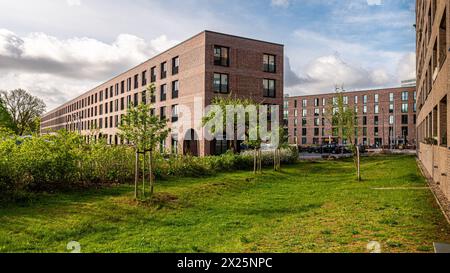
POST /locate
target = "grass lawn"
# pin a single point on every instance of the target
(309, 207)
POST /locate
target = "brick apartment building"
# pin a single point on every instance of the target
(433, 89)
(385, 117)
(208, 65)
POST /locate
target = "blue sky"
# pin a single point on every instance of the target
(59, 49)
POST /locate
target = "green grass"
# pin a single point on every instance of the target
(309, 207)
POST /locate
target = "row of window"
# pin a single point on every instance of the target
(376, 121)
(222, 58)
(113, 121)
(365, 99)
(221, 85)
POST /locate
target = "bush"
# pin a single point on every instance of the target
(64, 160)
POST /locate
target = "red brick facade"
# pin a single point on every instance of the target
(385, 117)
(433, 85)
(195, 78)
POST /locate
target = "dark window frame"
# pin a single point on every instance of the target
(221, 60)
(267, 66)
(221, 88)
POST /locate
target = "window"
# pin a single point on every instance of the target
(317, 112)
(163, 70)
(152, 95)
(345, 99)
(175, 86)
(144, 97)
(174, 113)
(377, 109)
(144, 78)
(365, 121)
(128, 84)
(117, 89)
(391, 97)
(404, 108)
(365, 109)
(221, 56)
(269, 62)
(304, 122)
(316, 122)
(122, 87)
(269, 88)
(376, 120)
(153, 74)
(106, 94)
(316, 102)
(162, 113)
(175, 65)
(391, 108)
(305, 103)
(377, 98)
(376, 131)
(221, 83)
(136, 99)
(365, 99)
(304, 112)
(356, 99)
(163, 93)
(316, 132)
(122, 103)
(136, 81)
(391, 120)
(405, 119)
(304, 131)
(404, 96)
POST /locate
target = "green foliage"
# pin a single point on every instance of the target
(143, 130)
(64, 161)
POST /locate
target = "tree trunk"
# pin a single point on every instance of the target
(150, 165)
(255, 160)
(260, 161)
(358, 164)
(275, 160)
(143, 174)
(136, 174)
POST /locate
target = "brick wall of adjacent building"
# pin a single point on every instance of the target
(313, 127)
(196, 90)
(432, 27)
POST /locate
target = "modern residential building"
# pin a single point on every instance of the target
(385, 117)
(433, 87)
(187, 77)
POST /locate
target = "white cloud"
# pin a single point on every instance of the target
(46, 65)
(280, 3)
(321, 62)
(72, 3)
(407, 67)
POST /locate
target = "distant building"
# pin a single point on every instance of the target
(409, 83)
(208, 65)
(385, 117)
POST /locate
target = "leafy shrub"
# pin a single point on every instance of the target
(64, 160)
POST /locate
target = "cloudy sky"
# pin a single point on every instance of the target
(58, 49)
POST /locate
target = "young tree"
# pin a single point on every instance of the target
(255, 145)
(144, 132)
(344, 122)
(281, 143)
(24, 110)
(223, 103)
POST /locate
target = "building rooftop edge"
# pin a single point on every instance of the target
(153, 57)
(355, 91)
